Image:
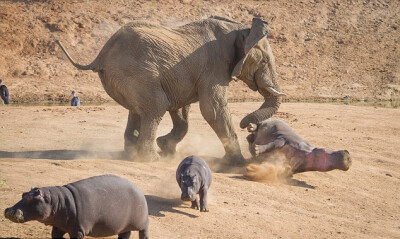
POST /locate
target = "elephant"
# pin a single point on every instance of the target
(150, 69)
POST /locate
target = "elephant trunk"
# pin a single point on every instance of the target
(267, 109)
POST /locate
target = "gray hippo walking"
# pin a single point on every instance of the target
(99, 206)
(274, 135)
(194, 177)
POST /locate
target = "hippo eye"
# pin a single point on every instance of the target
(24, 194)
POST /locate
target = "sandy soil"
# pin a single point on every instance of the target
(323, 48)
(43, 146)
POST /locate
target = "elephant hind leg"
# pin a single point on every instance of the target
(168, 142)
(147, 135)
(131, 132)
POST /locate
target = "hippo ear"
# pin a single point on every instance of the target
(38, 192)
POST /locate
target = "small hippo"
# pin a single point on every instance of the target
(194, 177)
(274, 135)
(99, 206)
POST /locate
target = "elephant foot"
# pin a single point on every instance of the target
(149, 156)
(144, 155)
(235, 160)
(166, 145)
(130, 150)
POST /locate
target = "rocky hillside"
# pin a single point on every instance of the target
(324, 49)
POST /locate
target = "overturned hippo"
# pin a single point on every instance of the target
(275, 136)
(194, 177)
(99, 206)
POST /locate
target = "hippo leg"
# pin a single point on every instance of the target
(263, 148)
(203, 200)
(78, 235)
(124, 235)
(250, 138)
(324, 160)
(195, 204)
(57, 233)
(144, 234)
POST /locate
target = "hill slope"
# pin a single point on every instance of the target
(323, 49)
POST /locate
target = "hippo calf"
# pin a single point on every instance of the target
(99, 206)
(275, 136)
(194, 177)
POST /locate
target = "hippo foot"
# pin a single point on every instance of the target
(252, 127)
(346, 161)
(167, 146)
(195, 205)
(204, 210)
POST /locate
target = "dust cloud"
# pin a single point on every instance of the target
(167, 187)
(269, 172)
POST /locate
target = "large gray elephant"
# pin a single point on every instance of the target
(150, 69)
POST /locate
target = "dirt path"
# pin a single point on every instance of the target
(43, 146)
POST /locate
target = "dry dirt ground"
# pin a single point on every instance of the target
(323, 48)
(43, 146)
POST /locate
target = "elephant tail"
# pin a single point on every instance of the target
(92, 66)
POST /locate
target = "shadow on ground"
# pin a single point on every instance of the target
(288, 181)
(157, 205)
(65, 154)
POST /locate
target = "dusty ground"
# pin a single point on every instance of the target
(323, 48)
(43, 146)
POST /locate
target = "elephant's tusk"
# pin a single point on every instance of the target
(275, 92)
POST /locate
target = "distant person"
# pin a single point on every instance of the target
(75, 100)
(4, 93)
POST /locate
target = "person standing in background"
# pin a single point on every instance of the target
(4, 93)
(75, 100)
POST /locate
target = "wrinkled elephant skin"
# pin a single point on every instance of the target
(150, 69)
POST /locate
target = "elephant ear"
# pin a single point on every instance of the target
(259, 29)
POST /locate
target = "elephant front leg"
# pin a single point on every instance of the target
(131, 132)
(168, 142)
(215, 111)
